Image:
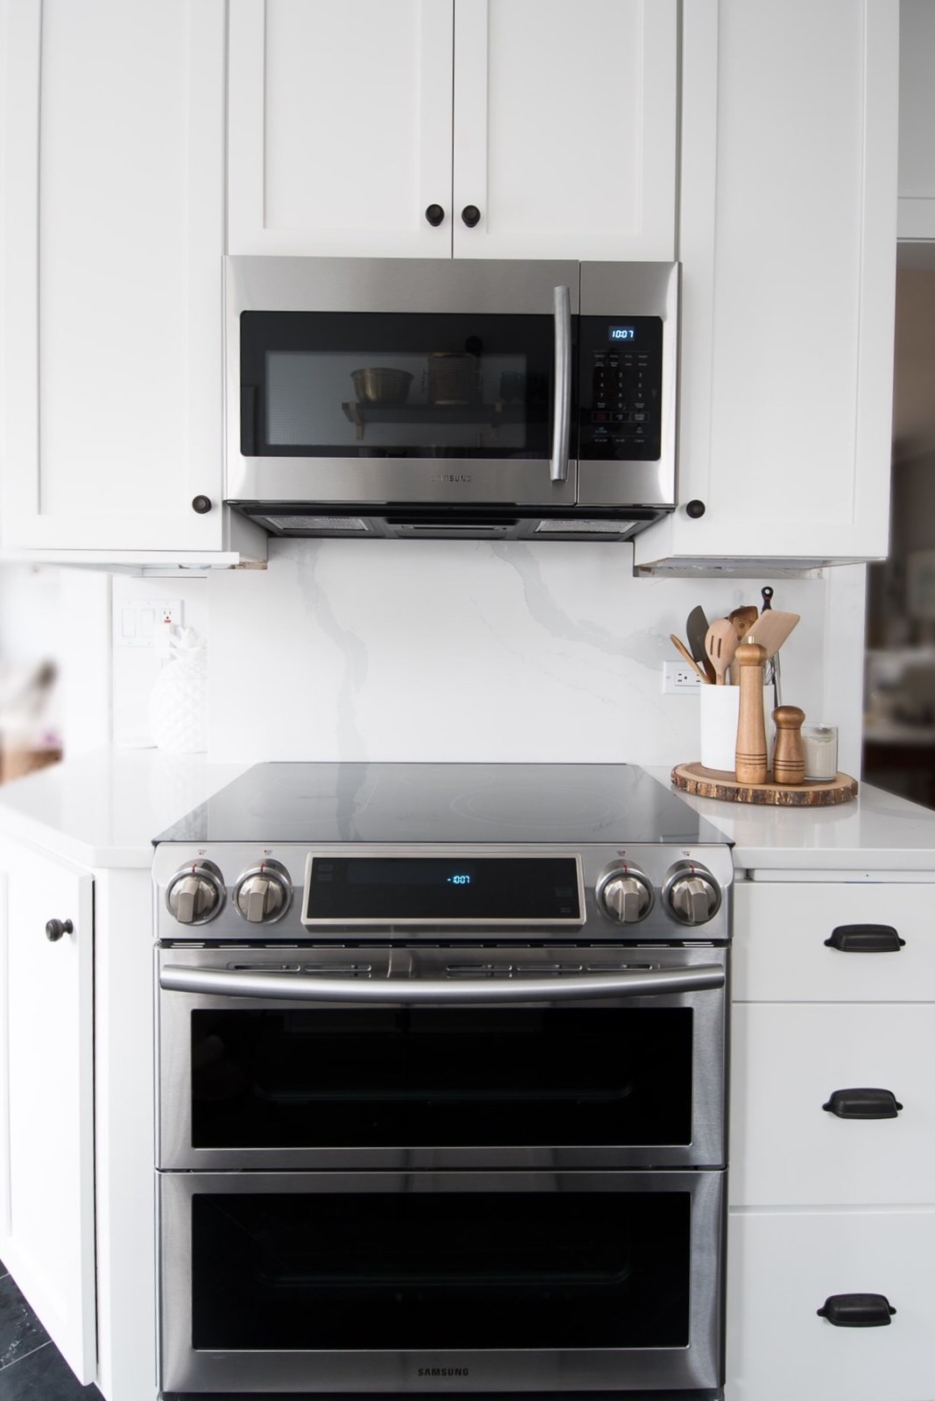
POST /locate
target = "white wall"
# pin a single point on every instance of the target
(399, 650)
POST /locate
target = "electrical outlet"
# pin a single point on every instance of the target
(679, 677)
(143, 624)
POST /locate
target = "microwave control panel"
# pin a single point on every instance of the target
(620, 388)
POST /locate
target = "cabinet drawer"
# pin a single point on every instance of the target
(786, 1061)
(780, 954)
(782, 1266)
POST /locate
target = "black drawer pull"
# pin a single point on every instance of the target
(863, 1104)
(857, 1310)
(865, 938)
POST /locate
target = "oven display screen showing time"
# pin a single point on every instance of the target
(619, 334)
(440, 889)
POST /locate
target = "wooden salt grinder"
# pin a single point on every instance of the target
(789, 756)
(750, 760)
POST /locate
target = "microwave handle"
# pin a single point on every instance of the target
(561, 420)
(295, 987)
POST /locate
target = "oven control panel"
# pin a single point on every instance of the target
(236, 892)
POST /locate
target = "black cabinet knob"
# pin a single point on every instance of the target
(695, 509)
(201, 504)
(55, 928)
(863, 1104)
(857, 1310)
(865, 938)
(435, 214)
(471, 215)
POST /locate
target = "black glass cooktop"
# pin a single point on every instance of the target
(510, 803)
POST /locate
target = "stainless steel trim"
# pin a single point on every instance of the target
(294, 987)
(561, 420)
(405, 285)
(384, 482)
(535, 1370)
(465, 852)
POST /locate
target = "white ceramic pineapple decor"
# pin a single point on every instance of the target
(178, 706)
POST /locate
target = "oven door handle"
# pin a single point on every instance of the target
(561, 413)
(296, 987)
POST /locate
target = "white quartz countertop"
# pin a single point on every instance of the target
(877, 832)
(103, 809)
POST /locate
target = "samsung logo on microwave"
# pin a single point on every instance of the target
(443, 1372)
(452, 477)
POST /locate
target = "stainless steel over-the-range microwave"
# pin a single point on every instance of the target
(409, 398)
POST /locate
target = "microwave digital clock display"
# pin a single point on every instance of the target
(621, 333)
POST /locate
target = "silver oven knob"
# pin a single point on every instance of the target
(264, 893)
(625, 894)
(691, 894)
(195, 894)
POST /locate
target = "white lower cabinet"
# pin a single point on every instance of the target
(833, 984)
(782, 1266)
(47, 1095)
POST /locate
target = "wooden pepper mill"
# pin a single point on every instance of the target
(789, 756)
(750, 759)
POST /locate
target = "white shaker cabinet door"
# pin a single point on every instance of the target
(112, 238)
(340, 127)
(565, 129)
(787, 240)
(46, 1095)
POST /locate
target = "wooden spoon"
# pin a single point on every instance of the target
(743, 619)
(683, 651)
(720, 644)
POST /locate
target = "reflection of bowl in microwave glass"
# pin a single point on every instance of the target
(381, 385)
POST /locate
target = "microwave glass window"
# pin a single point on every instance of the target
(431, 1270)
(371, 385)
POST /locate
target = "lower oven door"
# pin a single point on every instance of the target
(560, 1057)
(463, 1282)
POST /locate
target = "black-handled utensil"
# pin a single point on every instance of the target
(766, 593)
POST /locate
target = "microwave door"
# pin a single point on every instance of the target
(380, 383)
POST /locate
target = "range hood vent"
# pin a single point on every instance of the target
(294, 520)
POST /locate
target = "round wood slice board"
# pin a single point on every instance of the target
(717, 783)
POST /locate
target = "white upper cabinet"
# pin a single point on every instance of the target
(112, 238)
(552, 121)
(788, 250)
(916, 119)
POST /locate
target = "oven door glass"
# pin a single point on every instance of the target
(382, 384)
(494, 1272)
(438, 1077)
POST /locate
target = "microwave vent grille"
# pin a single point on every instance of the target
(340, 525)
(586, 527)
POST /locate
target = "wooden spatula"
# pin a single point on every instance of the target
(771, 629)
(720, 645)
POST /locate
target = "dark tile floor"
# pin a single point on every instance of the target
(31, 1367)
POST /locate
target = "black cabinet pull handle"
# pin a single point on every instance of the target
(55, 928)
(471, 215)
(435, 215)
(695, 509)
(863, 1104)
(865, 938)
(201, 504)
(857, 1310)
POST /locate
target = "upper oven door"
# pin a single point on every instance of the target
(441, 1056)
(376, 382)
